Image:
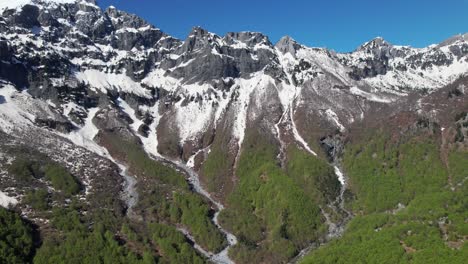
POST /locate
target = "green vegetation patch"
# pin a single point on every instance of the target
(61, 179)
(275, 212)
(25, 170)
(16, 240)
(384, 173)
(458, 166)
(141, 164)
(38, 199)
(431, 228)
(193, 212)
(217, 166)
(313, 174)
(173, 245)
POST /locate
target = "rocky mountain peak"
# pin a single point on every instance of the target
(287, 44)
(250, 39)
(199, 39)
(19, 4)
(452, 40)
(198, 31)
(376, 43)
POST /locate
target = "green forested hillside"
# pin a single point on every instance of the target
(275, 212)
(408, 209)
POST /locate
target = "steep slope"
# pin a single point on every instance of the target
(222, 143)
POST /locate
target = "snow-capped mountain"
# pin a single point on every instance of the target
(70, 72)
(51, 47)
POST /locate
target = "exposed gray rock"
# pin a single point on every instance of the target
(287, 44)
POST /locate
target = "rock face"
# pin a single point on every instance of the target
(74, 53)
(61, 62)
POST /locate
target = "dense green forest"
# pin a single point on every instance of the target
(410, 207)
(274, 213)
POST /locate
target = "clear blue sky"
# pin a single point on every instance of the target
(341, 25)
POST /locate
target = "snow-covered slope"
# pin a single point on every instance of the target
(17, 4)
(81, 56)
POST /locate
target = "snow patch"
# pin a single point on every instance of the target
(6, 201)
(369, 96)
(340, 175)
(12, 115)
(332, 116)
(84, 136)
(245, 89)
(17, 108)
(120, 82)
(17, 4)
(132, 113)
(193, 119)
(299, 138)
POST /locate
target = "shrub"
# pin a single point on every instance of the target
(25, 170)
(38, 199)
(61, 179)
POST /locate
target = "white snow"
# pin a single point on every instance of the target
(239, 45)
(332, 116)
(16, 4)
(340, 175)
(157, 78)
(299, 138)
(131, 112)
(184, 64)
(369, 96)
(124, 30)
(18, 110)
(12, 114)
(69, 107)
(193, 119)
(191, 160)
(245, 89)
(85, 135)
(150, 143)
(120, 82)
(6, 201)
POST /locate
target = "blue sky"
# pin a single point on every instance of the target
(341, 25)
